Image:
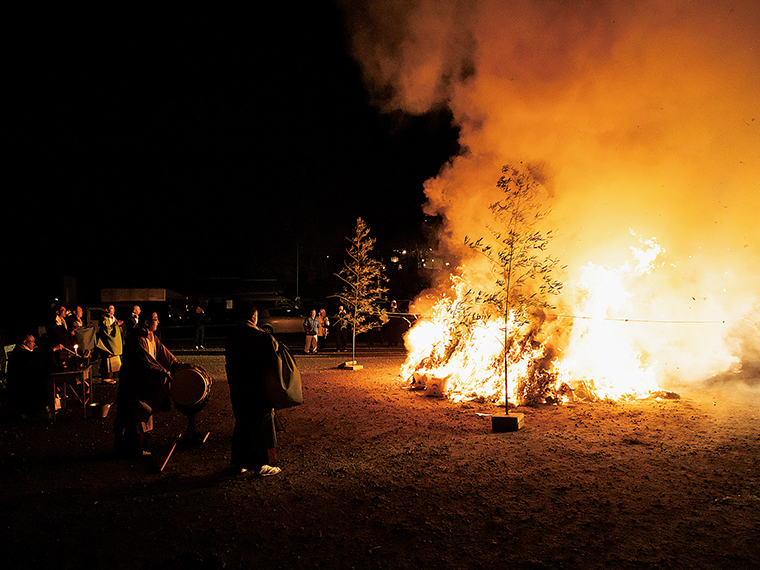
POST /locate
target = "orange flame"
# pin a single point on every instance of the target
(595, 351)
(469, 364)
(603, 350)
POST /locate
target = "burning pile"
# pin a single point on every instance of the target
(588, 353)
(456, 351)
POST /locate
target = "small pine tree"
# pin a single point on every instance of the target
(363, 278)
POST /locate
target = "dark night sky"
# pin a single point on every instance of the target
(148, 148)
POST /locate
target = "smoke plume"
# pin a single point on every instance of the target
(642, 117)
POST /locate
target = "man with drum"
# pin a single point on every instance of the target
(144, 385)
(249, 352)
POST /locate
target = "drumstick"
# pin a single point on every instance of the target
(170, 454)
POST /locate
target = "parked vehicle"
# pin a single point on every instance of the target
(281, 320)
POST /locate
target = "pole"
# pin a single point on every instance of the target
(506, 356)
(353, 329)
(506, 328)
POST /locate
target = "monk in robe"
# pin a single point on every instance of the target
(145, 380)
(110, 344)
(249, 353)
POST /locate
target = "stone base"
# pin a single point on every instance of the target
(506, 422)
(351, 365)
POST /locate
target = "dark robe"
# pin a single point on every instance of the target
(29, 380)
(59, 334)
(84, 338)
(73, 323)
(130, 325)
(144, 384)
(249, 353)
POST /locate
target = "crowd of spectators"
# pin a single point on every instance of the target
(63, 343)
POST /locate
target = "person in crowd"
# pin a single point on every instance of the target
(29, 387)
(249, 352)
(109, 342)
(394, 307)
(60, 339)
(75, 321)
(83, 336)
(311, 328)
(324, 327)
(340, 325)
(132, 322)
(144, 384)
(199, 319)
(59, 332)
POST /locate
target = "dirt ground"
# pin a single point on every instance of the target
(376, 476)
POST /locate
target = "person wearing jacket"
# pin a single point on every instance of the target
(311, 328)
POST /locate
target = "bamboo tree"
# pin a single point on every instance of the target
(363, 278)
(523, 274)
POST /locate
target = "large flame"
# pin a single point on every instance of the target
(604, 350)
(591, 347)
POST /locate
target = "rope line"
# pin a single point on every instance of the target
(643, 320)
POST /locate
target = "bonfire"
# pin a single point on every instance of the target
(580, 352)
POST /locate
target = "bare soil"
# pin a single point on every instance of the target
(376, 476)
